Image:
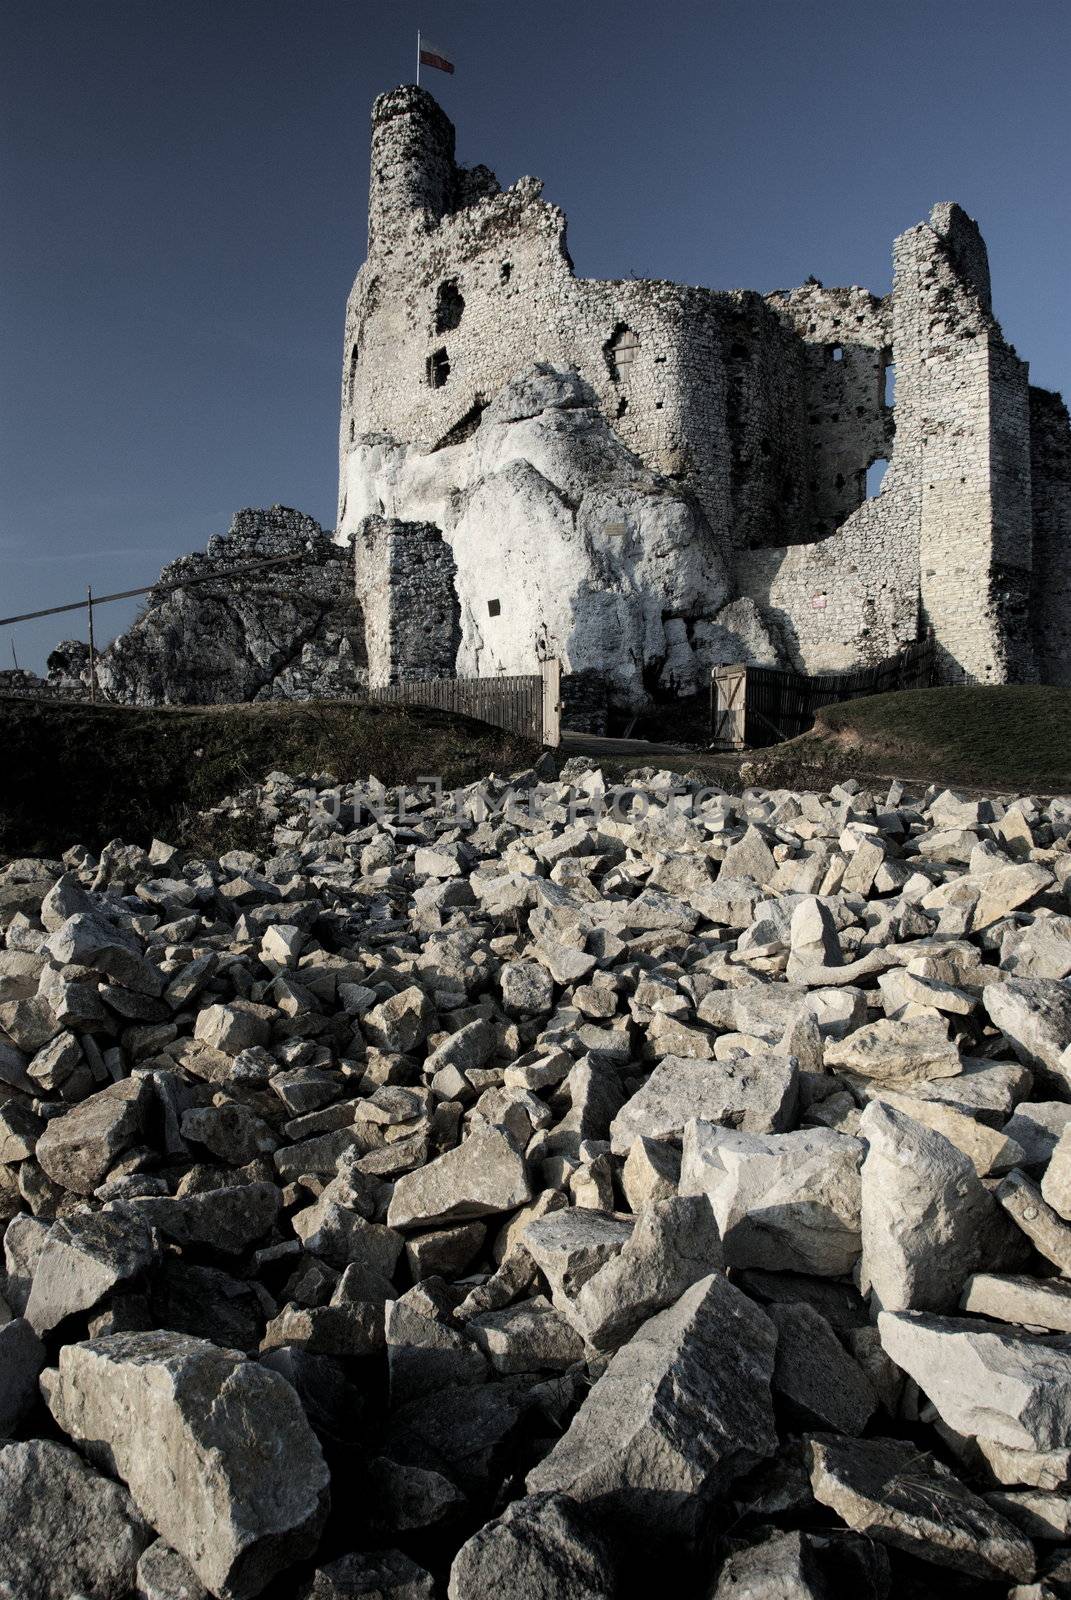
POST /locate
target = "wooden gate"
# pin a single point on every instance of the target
(756, 706)
(529, 704)
(728, 703)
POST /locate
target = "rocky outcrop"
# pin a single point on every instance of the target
(564, 543)
(291, 632)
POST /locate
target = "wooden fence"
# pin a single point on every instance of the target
(756, 706)
(529, 704)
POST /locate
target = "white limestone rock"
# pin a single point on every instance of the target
(64, 1529)
(85, 1257)
(984, 1379)
(928, 1222)
(1034, 1015)
(173, 1417)
(758, 1093)
(682, 1410)
(601, 551)
(785, 1202)
(482, 1176)
(675, 1243)
(900, 1495)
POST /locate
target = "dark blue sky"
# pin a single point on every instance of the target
(183, 188)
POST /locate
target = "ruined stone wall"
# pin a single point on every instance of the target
(962, 437)
(764, 413)
(404, 574)
(456, 299)
(847, 334)
(848, 600)
(1050, 479)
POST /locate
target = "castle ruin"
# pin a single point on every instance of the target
(649, 479)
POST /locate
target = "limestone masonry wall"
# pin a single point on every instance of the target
(764, 415)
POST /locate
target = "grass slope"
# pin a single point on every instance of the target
(86, 774)
(1014, 737)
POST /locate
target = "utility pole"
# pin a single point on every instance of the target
(92, 651)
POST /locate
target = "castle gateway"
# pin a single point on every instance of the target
(648, 479)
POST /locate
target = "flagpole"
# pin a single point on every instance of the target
(418, 58)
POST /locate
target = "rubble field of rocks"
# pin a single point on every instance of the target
(552, 1193)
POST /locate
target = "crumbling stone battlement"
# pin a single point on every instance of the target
(771, 416)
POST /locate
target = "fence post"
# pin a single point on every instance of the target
(92, 650)
(551, 672)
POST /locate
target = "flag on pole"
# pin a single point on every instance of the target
(432, 56)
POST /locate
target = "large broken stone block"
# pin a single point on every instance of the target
(77, 1149)
(84, 1258)
(1034, 1015)
(675, 1243)
(570, 1246)
(786, 1202)
(64, 1530)
(984, 1379)
(897, 1053)
(215, 1450)
(683, 1408)
(902, 1496)
(481, 1176)
(928, 1221)
(545, 1547)
(757, 1093)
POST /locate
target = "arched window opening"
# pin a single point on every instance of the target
(620, 350)
(438, 368)
(449, 306)
(875, 475)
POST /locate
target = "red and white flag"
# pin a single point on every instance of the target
(431, 56)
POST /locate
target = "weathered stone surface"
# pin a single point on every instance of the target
(379, 1575)
(784, 1202)
(985, 1380)
(897, 1053)
(546, 1546)
(1034, 1015)
(174, 1418)
(64, 1529)
(674, 1244)
(1046, 1230)
(22, 1358)
(570, 1246)
(757, 1093)
(813, 1374)
(1031, 1302)
(164, 1575)
(683, 1409)
(1056, 1182)
(76, 1150)
(651, 1172)
(906, 1498)
(529, 1336)
(482, 1176)
(928, 1222)
(85, 1257)
(805, 1566)
(254, 639)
